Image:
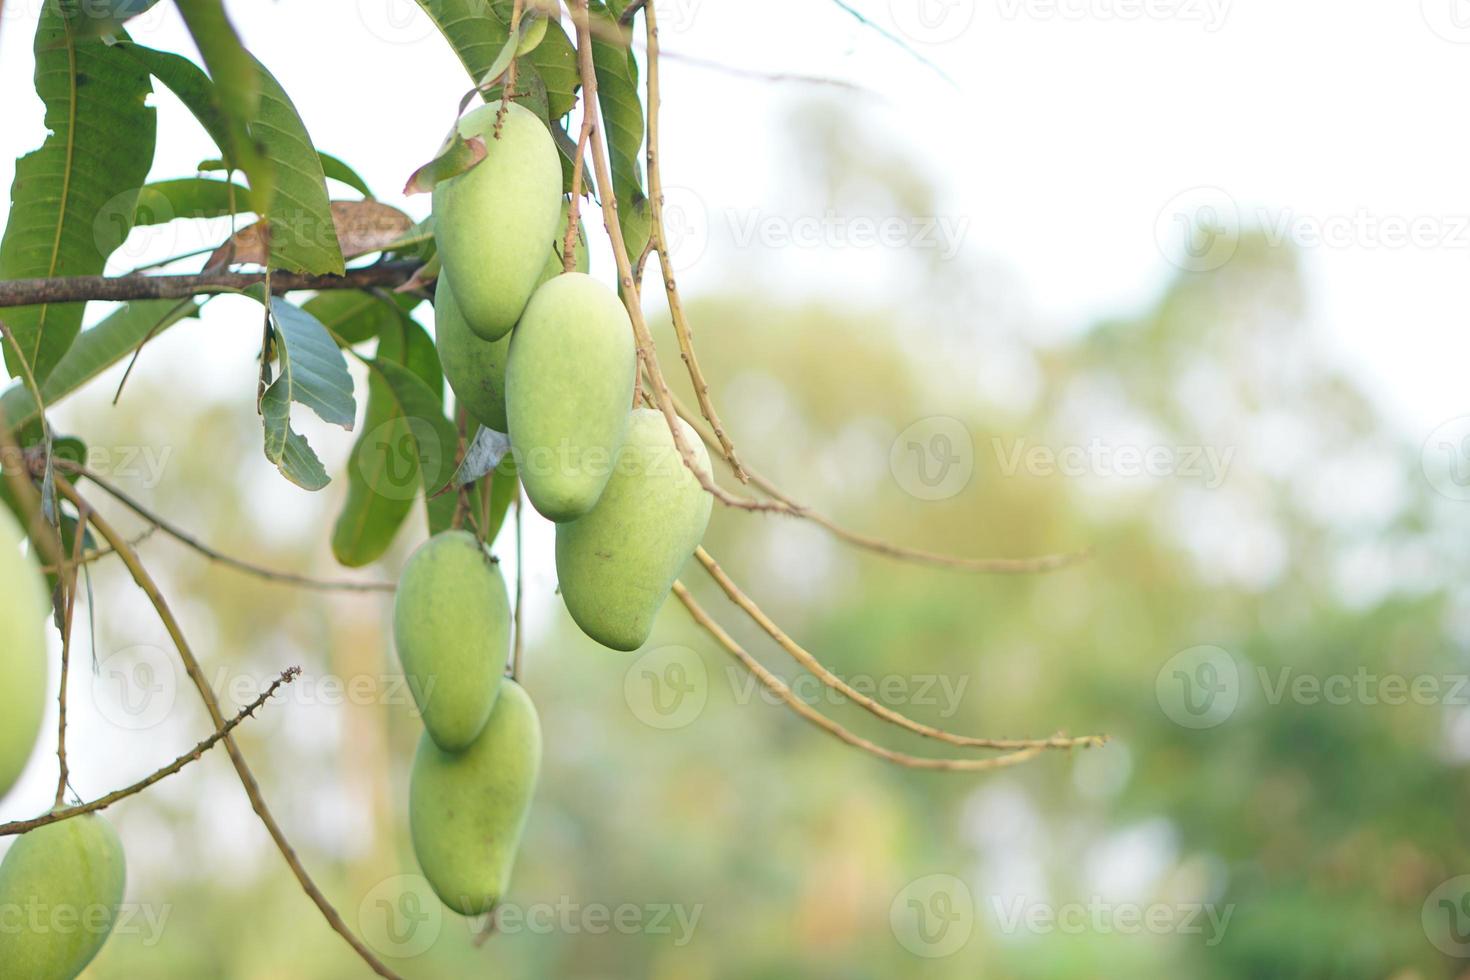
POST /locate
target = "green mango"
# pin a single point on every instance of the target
(24, 607)
(60, 886)
(474, 368)
(493, 222)
(466, 810)
(617, 564)
(568, 387)
(451, 624)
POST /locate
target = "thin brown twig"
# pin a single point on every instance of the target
(998, 566)
(97, 554)
(194, 754)
(574, 206)
(511, 72)
(831, 680)
(76, 289)
(211, 703)
(68, 579)
(781, 690)
(239, 564)
(631, 299)
(682, 329)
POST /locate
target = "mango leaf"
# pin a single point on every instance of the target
(242, 151)
(617, 94)
(475, 38)
(360, 227)
(407, 445)
(336, 170)
(95, 157)
(188, 197)
(97, 348)
(302, 235)
(556, 62)
(456, 157)
(354, 317)
(312, 373)
(230, 66)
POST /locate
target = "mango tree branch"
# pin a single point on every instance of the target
(682, 330)
(831, 680)
(77, 289)
(995, 566)
(197, 752)
(239, 564)
(211, 703)
(781, 690)
(632, 300)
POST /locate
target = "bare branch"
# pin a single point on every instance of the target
(779, 688)
(197, 752)
(76, 289)
(631, 299)
(682, 330)
(997, 566)
(831, 680)
(211, 703)
(239, 564)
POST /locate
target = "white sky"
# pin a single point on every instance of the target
(1072, 127)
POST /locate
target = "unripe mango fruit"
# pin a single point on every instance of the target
(466, 810)
(494, 223)
(60, 886)
(23, 611)
(474, 368)
(617, 564)
(451, 624)
(568, 387)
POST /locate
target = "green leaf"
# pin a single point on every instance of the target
(72, 200)
(241, 150)
(188, 197)
(502, 494)
(335, 169)
(456, 157)
(313, 373)
(556, 62)
(230, 66)
(98, 348)
(475, 38)
(355, 317)
(622, 118)
(303, 237)
(407, 445)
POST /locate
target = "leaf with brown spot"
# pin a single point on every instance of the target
(362, 227)
(457, 157)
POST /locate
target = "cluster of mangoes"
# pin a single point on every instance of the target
(548, 357)
(60, 884)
